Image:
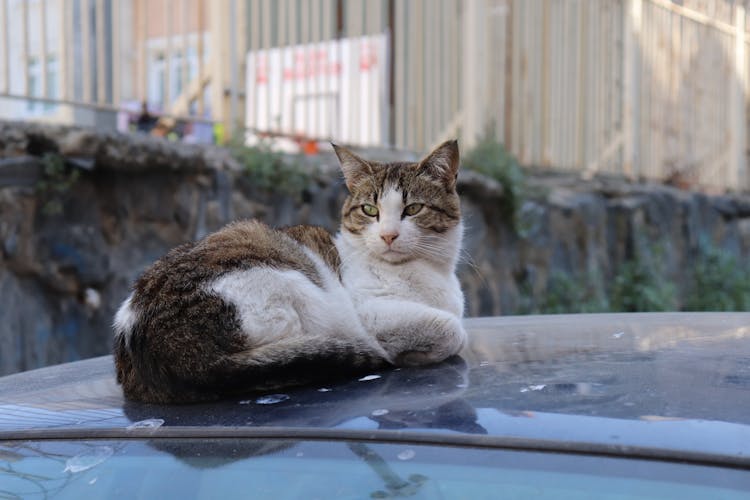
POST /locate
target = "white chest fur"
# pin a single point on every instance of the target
(367, 278)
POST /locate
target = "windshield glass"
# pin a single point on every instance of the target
(257, 468)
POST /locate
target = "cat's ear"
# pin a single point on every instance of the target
(353, 167)
(442, 164)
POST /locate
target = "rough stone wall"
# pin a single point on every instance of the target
(63, 275)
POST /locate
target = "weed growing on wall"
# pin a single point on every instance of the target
(640, 286)
(57, 179)
(270, 170)
(718, 282)
(568, 293)
(490, 158)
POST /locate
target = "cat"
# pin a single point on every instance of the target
(251, 308)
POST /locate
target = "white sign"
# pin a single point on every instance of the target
(328, 90)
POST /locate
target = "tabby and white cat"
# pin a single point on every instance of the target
(253, 308)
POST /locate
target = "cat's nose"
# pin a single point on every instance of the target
(389, 237)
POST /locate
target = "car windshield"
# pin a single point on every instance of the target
(259, 468)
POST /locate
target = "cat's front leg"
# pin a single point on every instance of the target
(411, 333)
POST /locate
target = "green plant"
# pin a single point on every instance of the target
(490, 158)
(270, 170)
(641, 286)
(568, 293)
(718, 282)
(57, 179)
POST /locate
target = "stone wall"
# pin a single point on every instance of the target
(63, 274)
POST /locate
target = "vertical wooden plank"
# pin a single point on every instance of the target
(352, 17)
(354, 21)
(86, 49)
(549, 102)
(142, 30)
(566, 86)
(201, 14)
(43, 43)
(544, 98)
(631, 96)
(608, 96)
(315, 24)
(595, 78)
(219, 69)
(737, 114)
(265, 18)
(508, 77)
(240, 18)
(618, 93)
(328, 16)
(99, 47)
(264, 24)
(116, 55)
(649, 129)
(399, 53)
(25, 48)
(294, 38)
(305, 39)
(316, 28)
(233, 67)
(5, 40)
(674, 67)
(419, 77)
(283, 28)
(257, 23)
(426, 112)
(185, 47)
(455, 63)
(643, 102)
(520, 69)
(64, 54)
(305, 22)
(472, 96)
(411, 70)
(530, 39)
(166, 105)
(443, 116)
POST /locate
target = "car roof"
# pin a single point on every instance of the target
(666, 385)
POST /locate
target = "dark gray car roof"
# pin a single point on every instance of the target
(670, 386)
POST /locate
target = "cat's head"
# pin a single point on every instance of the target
(403, 211)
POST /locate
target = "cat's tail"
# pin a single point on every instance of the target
(301, 361)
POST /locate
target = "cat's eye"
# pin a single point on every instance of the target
(370, 210)
(413, 209)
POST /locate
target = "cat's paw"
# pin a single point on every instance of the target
(415, 358)
(424, 342)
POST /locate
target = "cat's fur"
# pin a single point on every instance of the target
(254, 308)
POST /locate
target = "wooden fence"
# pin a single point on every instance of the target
(641, 88)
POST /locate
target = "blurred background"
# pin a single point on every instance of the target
(604, 144)
(644, 88)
